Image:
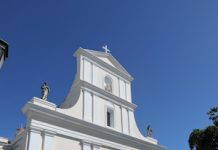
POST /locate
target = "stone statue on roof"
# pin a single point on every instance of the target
(149, 131)
(45, 90)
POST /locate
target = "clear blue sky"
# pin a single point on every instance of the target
(170, 47)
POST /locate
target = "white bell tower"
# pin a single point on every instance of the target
(103, 88)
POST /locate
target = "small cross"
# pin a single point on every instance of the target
(106, 50)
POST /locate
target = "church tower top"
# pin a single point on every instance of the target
(105, 60)
(98, 109)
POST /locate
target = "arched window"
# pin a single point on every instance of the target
(108, 84)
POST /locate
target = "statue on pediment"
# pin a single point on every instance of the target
(45, 90)
(149, 131)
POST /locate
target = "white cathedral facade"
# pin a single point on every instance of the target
(97, 114)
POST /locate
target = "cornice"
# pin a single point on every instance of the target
(89, 142)
(106, 95)
(124, 75)
(71, 123)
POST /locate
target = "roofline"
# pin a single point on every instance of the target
(43, 112)
(124, 75)
(110, 56)
(4, 46)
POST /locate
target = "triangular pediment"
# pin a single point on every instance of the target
(109, 59)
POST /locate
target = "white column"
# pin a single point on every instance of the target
(122, 89)
(125, 121)
(131, 120)
(125, 90)
(48, 140)
(87, 71)
(128, 92)
(121, 114)
(96, 110)
(87, 99)
(35, 140)
(83, 68)
(118, 86)
(128, 122)
(94, 75)
(91, 67)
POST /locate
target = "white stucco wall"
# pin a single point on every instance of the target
(35, 140)
(63, 143)
(48, 129)
(125, 120)
(76, 110)
(99, 112)
(63, 138)
(91, 107)
(87, 71)
(86, 105)
(107, 61)
(128, 92)
(118, 118)
(94, 73)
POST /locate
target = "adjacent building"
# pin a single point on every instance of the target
(3, 52)
(97, 113)
(3, 143)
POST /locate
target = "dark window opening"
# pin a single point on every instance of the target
(108, 119)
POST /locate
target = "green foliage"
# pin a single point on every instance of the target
(193, 138)
(206, 139)
(213, 115)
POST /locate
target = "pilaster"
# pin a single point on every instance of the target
(35, 140)
(48, 140)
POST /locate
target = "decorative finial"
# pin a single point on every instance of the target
(45, 90)
(149, 131)
(106, 50)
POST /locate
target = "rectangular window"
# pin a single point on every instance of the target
(110, 117)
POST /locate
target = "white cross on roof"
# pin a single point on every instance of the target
(106, 50)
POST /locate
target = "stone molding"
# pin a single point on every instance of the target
(88, 142)
(152, 139)
(106, 95)
(39, 101)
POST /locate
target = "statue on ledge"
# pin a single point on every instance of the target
(45, 90)
(149, 131)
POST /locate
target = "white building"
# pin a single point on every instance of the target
(3, 52)
(97, 114)
(3, 143)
